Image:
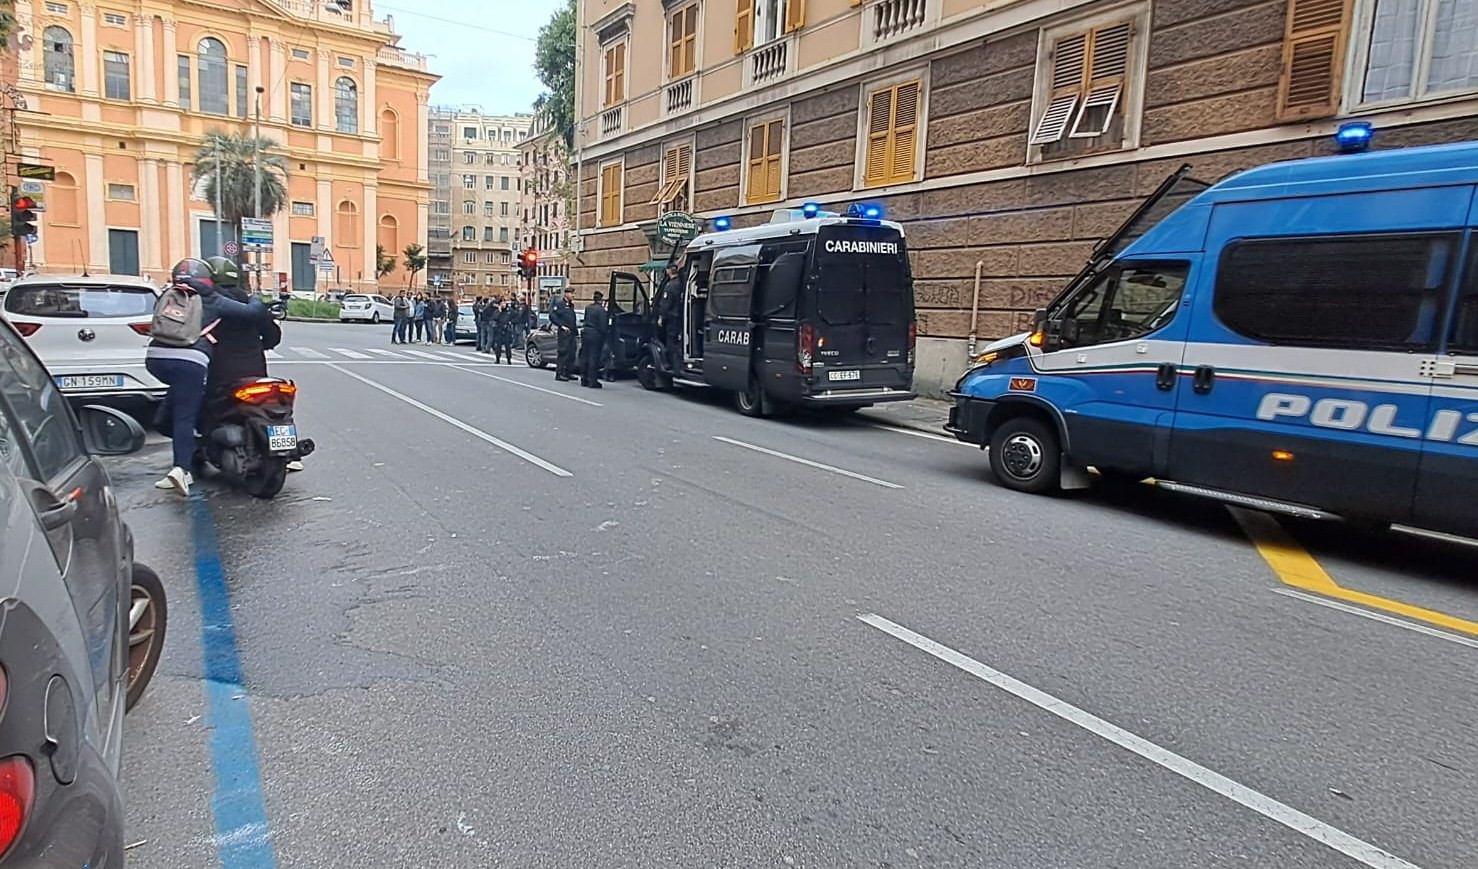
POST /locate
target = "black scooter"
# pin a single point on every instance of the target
(251, 436)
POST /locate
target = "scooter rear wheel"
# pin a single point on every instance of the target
(266, 482)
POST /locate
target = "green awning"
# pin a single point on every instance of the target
(653, 265)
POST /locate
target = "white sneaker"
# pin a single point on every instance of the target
(178, 479)
(295, 466)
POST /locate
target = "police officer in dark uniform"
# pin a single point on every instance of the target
(563, 320)
(670, 317)
(593, 342)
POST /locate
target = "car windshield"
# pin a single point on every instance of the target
(74, 300)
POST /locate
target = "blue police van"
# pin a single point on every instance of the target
(1301, 337)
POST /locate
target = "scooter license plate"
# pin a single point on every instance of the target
(281, 438)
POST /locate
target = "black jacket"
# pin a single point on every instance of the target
(241, 347)
(597, 323)
(671, 305)
(563, 315)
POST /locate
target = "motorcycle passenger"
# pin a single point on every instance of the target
(184, 368)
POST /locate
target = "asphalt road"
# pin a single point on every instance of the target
(504, 621)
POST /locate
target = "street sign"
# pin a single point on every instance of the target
(37, 191)
(232, 248)
(678, 226)
(315, 253)
(36, 171)
(326, 266)
(256, 232)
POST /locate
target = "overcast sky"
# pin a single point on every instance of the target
(484, 57)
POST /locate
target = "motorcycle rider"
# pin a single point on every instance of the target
(241, 347)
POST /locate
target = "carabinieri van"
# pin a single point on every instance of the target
(1301, 337)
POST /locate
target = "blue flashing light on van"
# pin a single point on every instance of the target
(1301, 337)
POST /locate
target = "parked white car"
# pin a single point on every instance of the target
(361, 308)
(7, 277)
(90, 332)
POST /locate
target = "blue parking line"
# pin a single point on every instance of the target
(243, 840)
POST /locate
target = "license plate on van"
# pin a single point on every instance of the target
(89, 381)
(844, 375)
(281, 438)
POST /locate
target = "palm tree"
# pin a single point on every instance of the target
(235, 154)
(415, 260)
(384, 262)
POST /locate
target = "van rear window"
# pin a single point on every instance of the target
(83, 301)
(1361, 292)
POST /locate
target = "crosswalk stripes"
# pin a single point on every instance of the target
(422, 354)
(310, 353)
(273, 354)
(391, 353)
(350, 353)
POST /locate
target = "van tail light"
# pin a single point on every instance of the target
(805, 350)
(913, 339)
(17, 793)
(141, 328)
(261, 392)
(26, 329)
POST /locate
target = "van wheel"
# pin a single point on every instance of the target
(1025, 456)
(750, 401)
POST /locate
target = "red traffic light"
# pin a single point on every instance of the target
(23, 202)
(531, 256)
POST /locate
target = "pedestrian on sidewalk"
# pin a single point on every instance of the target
(593, 342)
(401, 305)
(563, 320)
(449, 329)
(418, 319)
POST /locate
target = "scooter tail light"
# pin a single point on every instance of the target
(27, 329)
(263, 391)
(17, 793)
(805, 347)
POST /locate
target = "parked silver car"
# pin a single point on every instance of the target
(81, 625)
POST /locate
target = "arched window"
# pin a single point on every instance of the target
(215, 98)
(60, 68)
(346, 105)
(346, 225)
(62, 200)
(389, 135)
(389, 234)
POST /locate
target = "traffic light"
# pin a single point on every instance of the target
(528, 263)
(23, 219)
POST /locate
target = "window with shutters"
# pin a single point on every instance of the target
(682, 42)
(1407, 50)
(675, 191)
(892, 133)
(609, 195)
(615, 73)
(763, 161)
(1087, 88)
(758, 22)
(1314, 40)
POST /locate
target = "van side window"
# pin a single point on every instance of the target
(1128, 302)
(729, 296)
(1359, 292)
(1465, 319)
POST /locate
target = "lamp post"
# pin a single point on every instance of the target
(220, 239)
(256, 170)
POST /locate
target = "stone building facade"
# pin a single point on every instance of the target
(547, 197)
(483, 188)
(1008, 135)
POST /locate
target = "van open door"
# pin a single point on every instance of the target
(631, 323)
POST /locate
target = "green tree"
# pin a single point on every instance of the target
(554, 63)
(7, 22)
(234, 153)
(384, 262)
(414, 262)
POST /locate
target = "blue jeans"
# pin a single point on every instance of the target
(484, 337)
(186, 382)
(399, 335)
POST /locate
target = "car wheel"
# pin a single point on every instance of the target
(1025, 456)
(750, 401)
(533, 357)
(148, 614)
(375, 317)
(267, 481)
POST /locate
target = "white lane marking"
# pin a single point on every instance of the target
(1378, 617)
(352, 354)
(273, 354)
(451, 420)
(380, 352)
(422, 354)
(460, 357)
(1293, 819)
(555, 393)
(807, 462)
(310, 353)
(368, 361)
(919, 434)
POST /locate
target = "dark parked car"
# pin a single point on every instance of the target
(542, 346)
(81, 626)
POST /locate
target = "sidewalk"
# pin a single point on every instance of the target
(924, 414)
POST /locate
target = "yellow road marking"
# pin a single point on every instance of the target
(1294, 566)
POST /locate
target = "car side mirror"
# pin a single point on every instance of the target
(109, 432)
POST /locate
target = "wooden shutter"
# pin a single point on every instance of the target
(677, 163)
(754, 191)
(903, 151)
(744, 27)
(1069, 63)
(675, 47)
(610, 194)
(879, 121)
(774, 136)
(1314, 42)
(763, 161)
(618, 80)
(1103, 80)
(689, 18)
(795, 15)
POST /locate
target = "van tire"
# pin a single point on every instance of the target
(1025, 456)
(750, 401)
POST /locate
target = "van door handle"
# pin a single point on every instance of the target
(1165, 376)
(1203, 379)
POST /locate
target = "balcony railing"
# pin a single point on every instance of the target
(893, 18)
(680, 96)
(612, 120)
(405, 59)
(769, 62)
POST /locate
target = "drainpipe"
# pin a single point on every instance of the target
(575, 138)
(975, 309)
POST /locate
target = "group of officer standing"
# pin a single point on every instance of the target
(596, 339)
